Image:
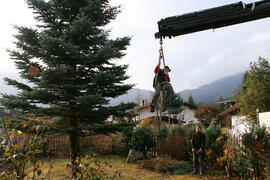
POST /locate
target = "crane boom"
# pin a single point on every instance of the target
(212, 18)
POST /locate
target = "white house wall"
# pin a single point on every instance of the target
(264, 120)
(239, 125)
(187, 115)
(145, 113)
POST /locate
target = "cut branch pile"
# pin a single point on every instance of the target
(160, 164)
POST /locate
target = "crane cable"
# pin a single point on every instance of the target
(161, 56)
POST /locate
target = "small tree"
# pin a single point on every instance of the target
(191, 101)
(143, 139)
(254, 92)
(177, 103)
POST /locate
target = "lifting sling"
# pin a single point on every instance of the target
(162, 84)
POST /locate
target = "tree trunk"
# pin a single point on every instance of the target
(75, 149)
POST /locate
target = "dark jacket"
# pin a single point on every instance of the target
(160, 76)
(198, 141)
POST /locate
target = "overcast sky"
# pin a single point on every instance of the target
(195, 59)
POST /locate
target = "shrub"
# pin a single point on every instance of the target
(143, 139)
(89, 167)
(230, 151)
(121, 142)
(175, 145)
(215, 153)
(252, 159)
(17, 156)
(211, 134)
(126, 137)
(163, 133)
(215, 145)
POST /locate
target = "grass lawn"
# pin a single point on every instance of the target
(129, 171)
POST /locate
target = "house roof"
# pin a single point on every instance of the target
(146, 105)
(190, 105)
(229, 100)
(231, 110)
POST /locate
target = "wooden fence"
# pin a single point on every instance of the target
(58, 145)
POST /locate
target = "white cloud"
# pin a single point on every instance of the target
(260, 36)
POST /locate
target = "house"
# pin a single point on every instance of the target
(187, 114)
(232, 110)
(142, 112)
(239, 125)
(229, 101)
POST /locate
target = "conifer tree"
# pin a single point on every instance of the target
(69, 62)
(191, 101)
(254, 93)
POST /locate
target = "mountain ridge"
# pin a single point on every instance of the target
(211, 92)
(207, 94)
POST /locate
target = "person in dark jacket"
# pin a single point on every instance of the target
(161, 79)
(198, 143)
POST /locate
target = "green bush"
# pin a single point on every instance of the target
(177, 130)
(214, 146)
(163, 133)
(211, 134)
(142, 139)
(121, 142)
(252, 159)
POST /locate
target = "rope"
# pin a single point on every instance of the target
(161, 52)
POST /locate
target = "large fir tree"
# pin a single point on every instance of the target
(69, 62)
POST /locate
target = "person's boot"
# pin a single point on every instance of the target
(152, 109)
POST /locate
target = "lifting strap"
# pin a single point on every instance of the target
(161, 56)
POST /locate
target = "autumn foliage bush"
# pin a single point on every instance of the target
(175, 145)
(215, 145)
(17, 157)
(206, 113)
